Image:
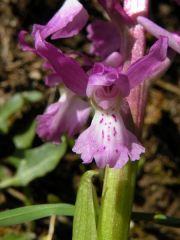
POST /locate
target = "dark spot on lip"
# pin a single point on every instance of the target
(102, 133)
(114, 132)
(115, 118)
(101, 121)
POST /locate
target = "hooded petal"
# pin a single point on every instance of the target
(103, 76)
(157, 31)
(68, 115)
(116, 11)
(68, 69)
(108, 142)
(67, 22)
(151, 65)
(104, 37)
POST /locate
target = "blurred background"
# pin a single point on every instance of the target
(28, 172)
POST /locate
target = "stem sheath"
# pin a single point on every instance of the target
(117, 201)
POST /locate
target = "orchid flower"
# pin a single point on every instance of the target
(108, 140)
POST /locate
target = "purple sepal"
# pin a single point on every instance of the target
(149, 66)
(157, 31)
(69, 70)
(67, 22)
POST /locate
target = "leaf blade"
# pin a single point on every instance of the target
(34, 212)
(36, 163)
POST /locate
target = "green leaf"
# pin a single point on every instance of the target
(32, 96)
(4, 173)
(18, 236)
(15, 105)
(86, 210)
(8, 109)
(24, 140)
(14, 160)
(34, 212)
(36, 163)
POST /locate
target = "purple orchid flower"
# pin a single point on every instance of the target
(108, 140)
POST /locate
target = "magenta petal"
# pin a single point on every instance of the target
(23, 44)
(105, 38)
(67, 22)
(157, 31)
(150, 65)
(68, 69)
(68, 115)
(116, 11)
(108, 142)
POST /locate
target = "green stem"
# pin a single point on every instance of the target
(117, 198)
